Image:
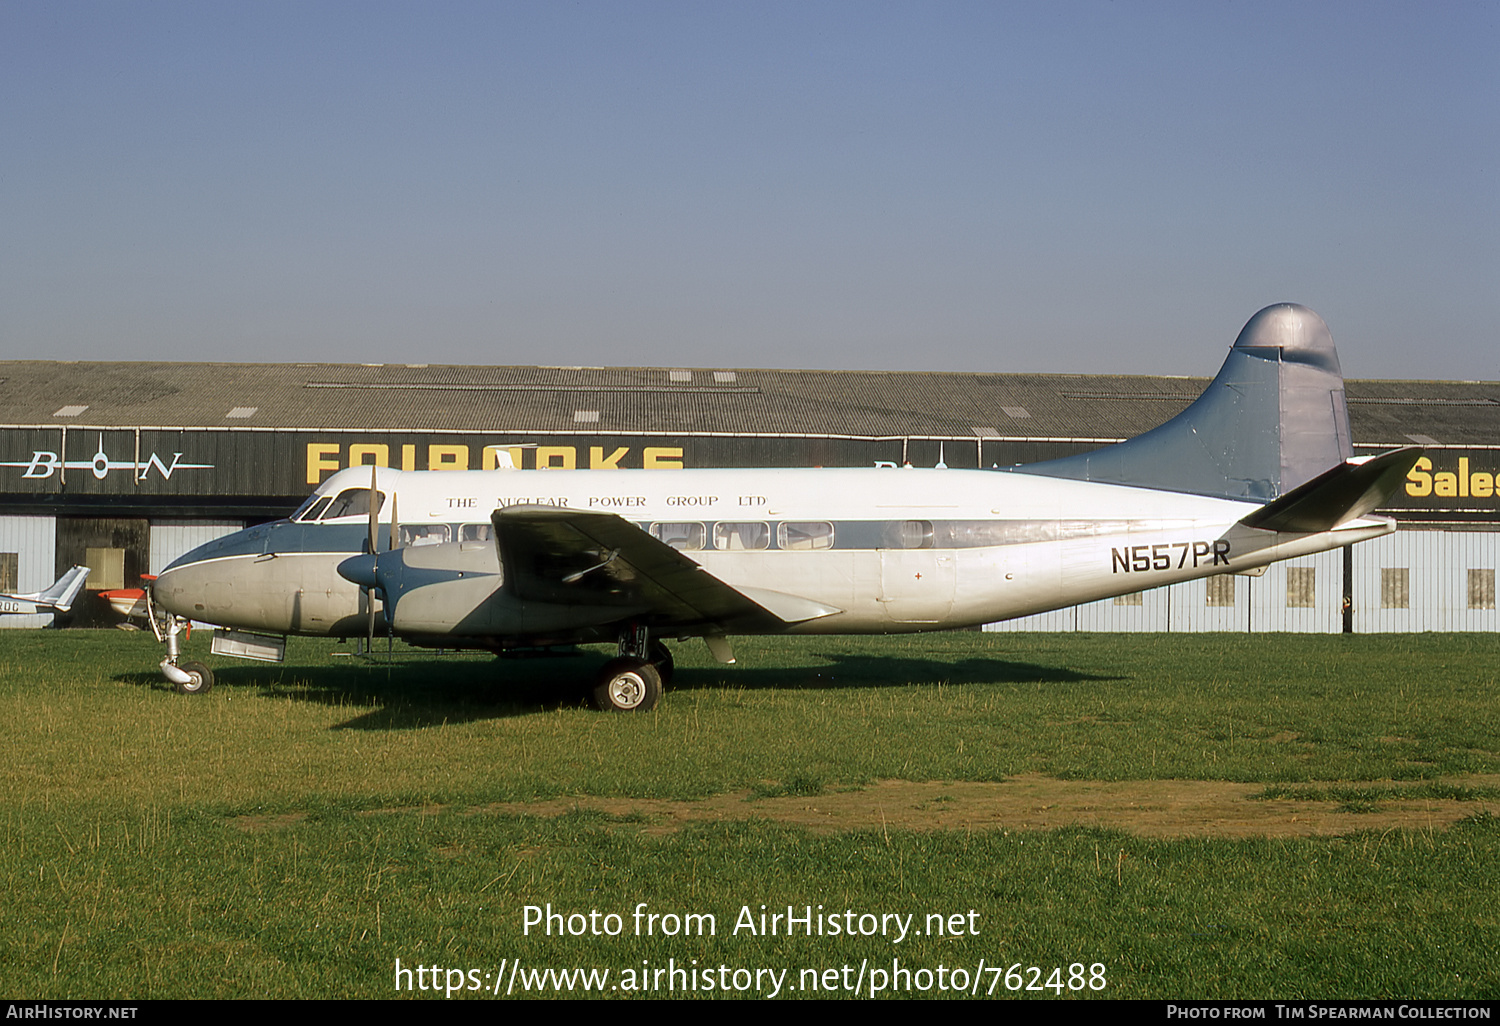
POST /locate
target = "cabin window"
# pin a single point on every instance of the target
(801, 536)
(1481, 589)
(1300, 590)
(907, 534)
(682, 537)
(353, 502)
(476, 532)
(729, 535)
(1220, 590)
(424, 534)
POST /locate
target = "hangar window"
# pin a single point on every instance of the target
(424, 534)
(107, 567)
(1395, 588)
(1135, 598)
(10, 572)
(750, 535)
(814, 535)
(353, 502)
(1300, 587)
(1221, 590)
(1482, 589)
(683, 537)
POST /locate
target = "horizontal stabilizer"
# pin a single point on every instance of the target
(1349, 490)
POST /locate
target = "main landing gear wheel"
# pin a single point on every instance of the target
(627, 684)
(661, 658)
(202, 679)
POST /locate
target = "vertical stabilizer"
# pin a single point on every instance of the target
(1274, 418)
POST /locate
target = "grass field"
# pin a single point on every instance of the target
(300, 828)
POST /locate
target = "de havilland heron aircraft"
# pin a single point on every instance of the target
(1259, 468)
(58, 598)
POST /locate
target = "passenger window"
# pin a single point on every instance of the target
(742, 536)
(476, 532)
(907, 534)
(802, 536)
(424, 534)
(683, 537)
(353, 502)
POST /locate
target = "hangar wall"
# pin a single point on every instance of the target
(146, 461)
(33, 543)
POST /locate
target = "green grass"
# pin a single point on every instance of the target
(299, 828)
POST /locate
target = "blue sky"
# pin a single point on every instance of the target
(926, 186)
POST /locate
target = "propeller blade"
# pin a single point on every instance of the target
(394, 535)
(374, 512)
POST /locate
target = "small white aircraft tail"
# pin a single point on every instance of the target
(1272, 420)
(63, 591)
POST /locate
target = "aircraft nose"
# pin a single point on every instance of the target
(360, 570)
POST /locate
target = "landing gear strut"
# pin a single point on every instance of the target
(632, 682)
(190, 678)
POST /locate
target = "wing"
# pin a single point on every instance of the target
(555, 555)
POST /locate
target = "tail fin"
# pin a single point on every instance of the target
(64, 590)
(1273, 419)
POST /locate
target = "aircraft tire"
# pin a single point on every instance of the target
(203, 679)
(661, 658)
(627, 685)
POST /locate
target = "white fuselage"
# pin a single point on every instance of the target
(891, 549)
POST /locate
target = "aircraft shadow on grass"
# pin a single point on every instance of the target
(413, 694)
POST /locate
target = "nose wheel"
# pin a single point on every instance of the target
(199, 679)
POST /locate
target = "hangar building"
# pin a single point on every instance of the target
(125, 466)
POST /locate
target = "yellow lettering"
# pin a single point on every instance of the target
(1463, 477)
(1482, 485)
(598, 462)
(408, 457)
(447, 457)
(1445, 484)
(318, 454)
(566, 456)
(382, 454)
(1418, 483)
(662, 458)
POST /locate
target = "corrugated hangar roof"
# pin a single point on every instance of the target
(561, 400)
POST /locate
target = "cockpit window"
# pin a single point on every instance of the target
(310, 509)
(352, 502)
